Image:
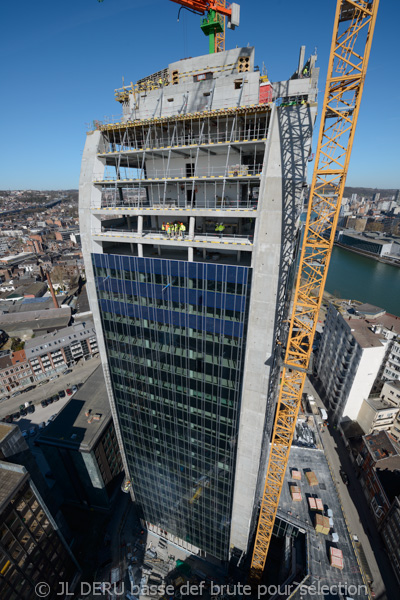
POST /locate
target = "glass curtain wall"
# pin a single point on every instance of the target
(175, 337)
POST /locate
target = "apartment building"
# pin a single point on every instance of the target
(52, 352)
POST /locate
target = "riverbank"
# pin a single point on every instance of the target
(360, 277)
(389, 261)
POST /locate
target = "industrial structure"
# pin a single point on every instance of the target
(190, 281)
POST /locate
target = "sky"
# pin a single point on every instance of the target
(61, 62)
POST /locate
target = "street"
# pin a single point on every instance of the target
(354, 505)
(79, 375)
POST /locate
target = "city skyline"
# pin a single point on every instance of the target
(51, 74)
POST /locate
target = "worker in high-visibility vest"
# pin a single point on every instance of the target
(168, 230)
(160, 82)
(305, 71)
(163, 227)
(183, 229)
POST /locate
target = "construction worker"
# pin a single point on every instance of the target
(168, 230)
(220, 229)
(183, 229)
(305, 71)
(163, 227)
(176, 230)
(160, 82)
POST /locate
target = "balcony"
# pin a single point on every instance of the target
(153, 236)
(135, 175)
(185, 141)
(228, 194)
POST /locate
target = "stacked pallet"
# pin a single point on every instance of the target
(295, 493)
(322, 524)
(296, 474)
(336, 557)
(311, 478)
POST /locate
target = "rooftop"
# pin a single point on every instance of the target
(388, 321)
(370, 310)
(378, 403)
(11, 478)
(381, 445)
(37, 319)
(300, 514)
(60, 337)
(361, 331)
(71, 428)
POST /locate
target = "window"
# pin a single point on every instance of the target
(203, 76)
(189, 169)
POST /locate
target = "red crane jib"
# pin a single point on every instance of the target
(202, 6)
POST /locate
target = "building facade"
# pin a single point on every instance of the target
(32, 550)
(379, 462)
(188, 317)
(390, 531)
(52, 352)
(81, 447)
(349, 359)
(15, 371)
(382, 412)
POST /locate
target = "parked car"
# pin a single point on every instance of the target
(329, 514)
(17, 393)
(61, 394)
(32, 431)
(56, 398)
(44, 403)
(50, 400)
(69, 391)
(21, 406)
(42, 383)
(9, 419)
(74, 389)
(42, 425)
(343, 475)
(23, 412)
(66, 372)
(29, 388)
(31, 409)
(16, 416)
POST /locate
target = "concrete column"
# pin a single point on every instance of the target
(140, 225)
(190, 253)
(239, 256)
(140, 250)
(159, 250)
(132, 249)
(191, 227)
(204, 253)
(128, 221)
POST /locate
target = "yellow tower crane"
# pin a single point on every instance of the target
(351, 45)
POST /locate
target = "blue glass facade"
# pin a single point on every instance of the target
(175, 336)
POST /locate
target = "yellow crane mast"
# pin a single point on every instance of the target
(350, 50)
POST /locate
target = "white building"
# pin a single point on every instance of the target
(348, 362)
(381, 412)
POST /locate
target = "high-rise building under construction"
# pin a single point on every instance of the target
(189, 209)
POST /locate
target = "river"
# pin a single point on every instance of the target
(357, 277)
